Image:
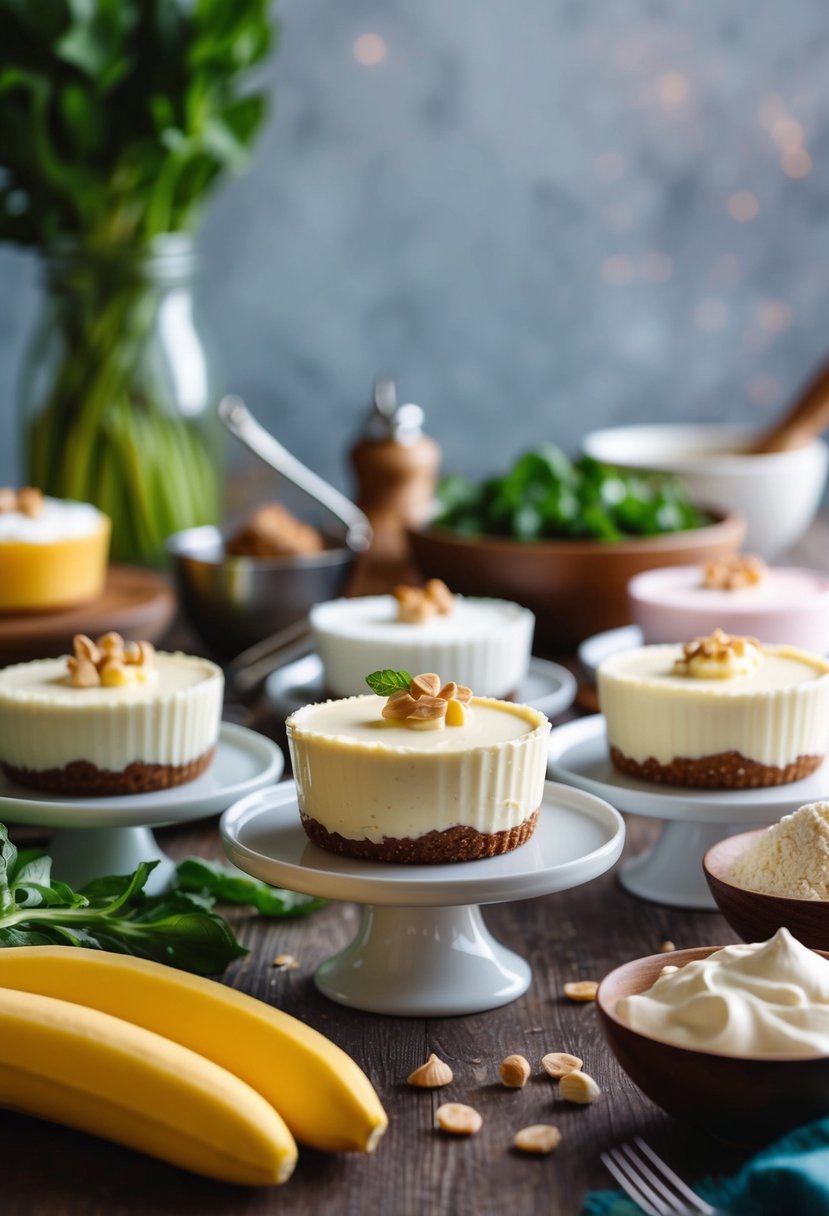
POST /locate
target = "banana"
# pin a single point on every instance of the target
(98, 1073)
(324, 1097)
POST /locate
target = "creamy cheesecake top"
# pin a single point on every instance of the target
(47, 681)
(358, 722)
(58, 520)
(782, 667)
(378, 616)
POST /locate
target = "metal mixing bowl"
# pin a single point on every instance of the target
(234, 602)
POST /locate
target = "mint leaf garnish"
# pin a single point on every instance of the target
(385, 682)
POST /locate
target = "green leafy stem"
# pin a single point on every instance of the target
(178, 927)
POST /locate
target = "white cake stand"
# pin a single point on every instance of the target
(111, 835)
(670, 872)
(422, 949)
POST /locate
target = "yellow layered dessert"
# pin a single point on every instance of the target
(719, 711)
(428, 774)
(53, 553)
(113, 718)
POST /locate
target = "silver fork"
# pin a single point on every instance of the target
(652, 1184)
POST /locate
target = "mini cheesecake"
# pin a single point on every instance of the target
(720, 711)
(395, 788)
(53, 553)
(485, 643)
(781, 605)
(112, 719)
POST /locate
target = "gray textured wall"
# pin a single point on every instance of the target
(542, 217)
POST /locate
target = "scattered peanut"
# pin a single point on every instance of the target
(515, 1071)
(286, 962)
(431, 1075)
(579, 1087)
(537, 1138)
(667, 947)
(558, 1064)
(581, 990)
(457, 1119)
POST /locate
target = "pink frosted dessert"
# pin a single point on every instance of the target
(781, 605)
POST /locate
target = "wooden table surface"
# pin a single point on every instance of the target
(416, 1171)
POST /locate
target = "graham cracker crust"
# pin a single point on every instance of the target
(723, 771)
(83, 779)
(433, 848)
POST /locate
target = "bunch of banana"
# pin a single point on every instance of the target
(182, 1067)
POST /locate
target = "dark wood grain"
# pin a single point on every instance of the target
(416, 1171)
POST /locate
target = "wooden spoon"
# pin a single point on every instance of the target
(806, 417)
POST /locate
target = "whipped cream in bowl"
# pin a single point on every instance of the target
(734, 1039)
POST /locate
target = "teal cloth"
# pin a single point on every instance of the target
(790, 1176)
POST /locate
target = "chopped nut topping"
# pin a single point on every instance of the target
(718, 656)
(579, 1087)
(28, 501)
(667, 947)
(558, 1064)
(733, 573)
(426, 704)
(581, 990)
(286, 962)
(418, 604)
(431, 1075)
(515, 1072)
(109, 661)
(537, 1138)
(457, 1119)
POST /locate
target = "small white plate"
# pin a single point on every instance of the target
(577, 838)
(602, 645)
(549, 687)
(244, 762)
(670, 872)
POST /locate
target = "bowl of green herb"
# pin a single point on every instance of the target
(564, 537)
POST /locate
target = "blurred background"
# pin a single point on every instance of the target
(539, 218)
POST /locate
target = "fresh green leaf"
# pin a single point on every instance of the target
(385, 682)
(230, 886)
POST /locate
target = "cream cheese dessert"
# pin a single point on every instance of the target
(431, 774)
(53, 553)
(114, 718)
(777, 604)
(720, 711)
(485, 642)
(763, 1000)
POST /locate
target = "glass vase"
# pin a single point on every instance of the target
(118, 394)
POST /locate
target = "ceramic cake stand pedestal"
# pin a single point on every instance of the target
(422, 948)
(670, 872)
(97, 836)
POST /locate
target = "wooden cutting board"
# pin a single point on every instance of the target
(137, 603)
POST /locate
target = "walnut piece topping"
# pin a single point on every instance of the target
(110, 662)
(429, 704)
(28, 501)
(733, 573)
(417, 604)
(718, 657)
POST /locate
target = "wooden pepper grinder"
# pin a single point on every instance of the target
(396, 467)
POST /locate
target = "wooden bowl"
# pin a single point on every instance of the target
(575, 587)
(753, 915)
(739, 1098)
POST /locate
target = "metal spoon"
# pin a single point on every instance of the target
(238, 419)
